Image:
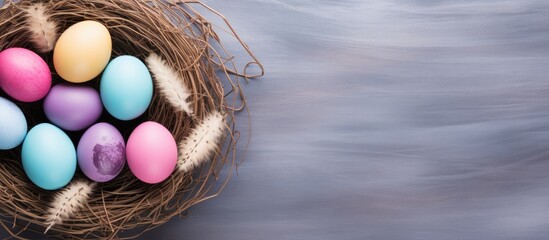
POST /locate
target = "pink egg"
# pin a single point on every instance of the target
(24, 75)
(151, 152)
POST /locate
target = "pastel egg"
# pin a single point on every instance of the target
(126, 88)
(82, 51)
(13, 125)
(24, 75)
(73, 107)
(151, 152)
(48, 156)
(101, 152)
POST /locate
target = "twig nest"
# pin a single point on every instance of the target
(184, 128)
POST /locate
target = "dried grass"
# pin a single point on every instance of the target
(126, 207)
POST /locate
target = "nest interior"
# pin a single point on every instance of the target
(126, 207)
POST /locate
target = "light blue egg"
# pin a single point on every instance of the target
(126, 88)
(49, 157)
(13, 125)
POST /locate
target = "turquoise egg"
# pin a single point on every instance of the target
(126, 88)
(49, 157)
(13, 125)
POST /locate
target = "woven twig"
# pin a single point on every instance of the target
(185, 40)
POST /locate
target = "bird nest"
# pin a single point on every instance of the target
(179, 34)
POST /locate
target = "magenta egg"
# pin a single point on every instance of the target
(73, 107)
(101, 152)
(24, 75)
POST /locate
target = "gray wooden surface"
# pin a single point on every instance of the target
(392, 119)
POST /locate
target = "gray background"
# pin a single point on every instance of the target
(389, 120)
(392, 119)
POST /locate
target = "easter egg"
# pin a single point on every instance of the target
(13, 125)
(101, 152)
(82, 51)
(73, 107)
(126, 88)
(151, 152)
(48, 156)
(24, 75)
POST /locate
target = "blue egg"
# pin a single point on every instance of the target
(13, 125)
(126, 88)
(49, 157)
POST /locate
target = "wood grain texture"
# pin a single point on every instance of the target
(392, 119)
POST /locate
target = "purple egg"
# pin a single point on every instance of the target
(101, 152)
(73, 107)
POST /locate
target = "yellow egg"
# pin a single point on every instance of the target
(82, 51)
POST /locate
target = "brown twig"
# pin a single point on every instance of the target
(182, 36)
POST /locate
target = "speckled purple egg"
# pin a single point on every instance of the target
(101, 152)
(73, 107)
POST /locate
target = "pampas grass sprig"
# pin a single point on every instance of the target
(68, 201)
(43, 30)
(171, 86)
(202, 141)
